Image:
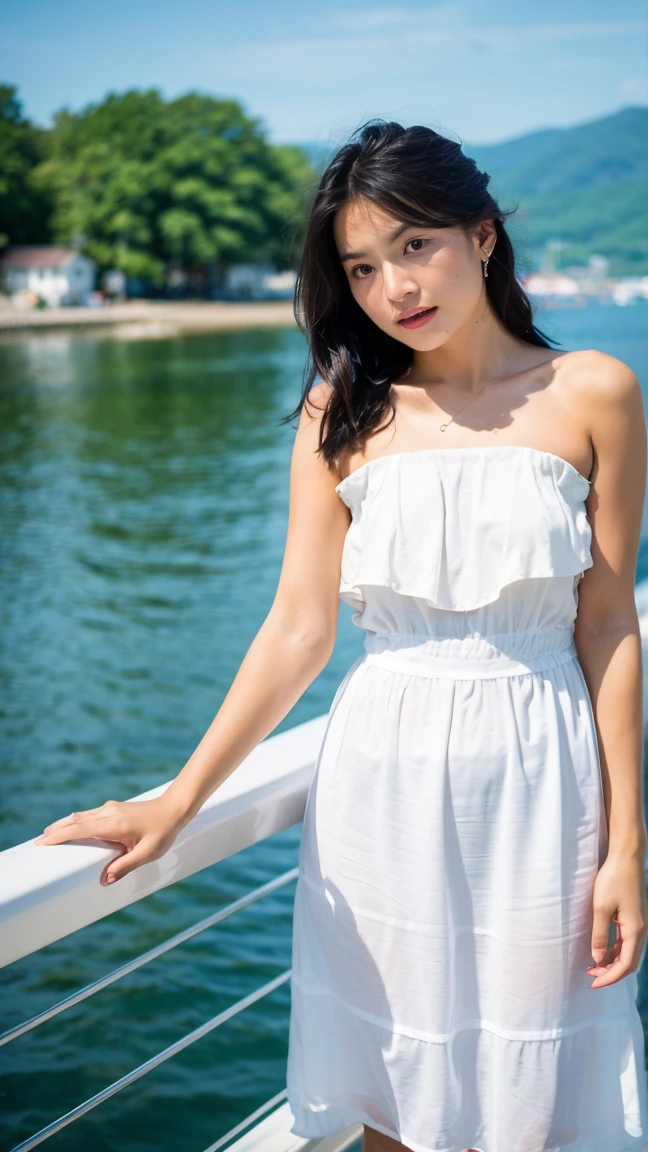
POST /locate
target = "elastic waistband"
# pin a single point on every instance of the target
(476, 656)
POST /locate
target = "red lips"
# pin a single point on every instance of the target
(416, 317)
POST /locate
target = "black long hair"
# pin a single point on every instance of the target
(421, 178)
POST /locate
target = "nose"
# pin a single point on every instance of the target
(398, 283)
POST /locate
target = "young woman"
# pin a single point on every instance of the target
(471, 908)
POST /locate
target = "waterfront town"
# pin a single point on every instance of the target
(48, 286)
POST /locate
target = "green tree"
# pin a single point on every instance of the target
(25, 206)
(192, 182)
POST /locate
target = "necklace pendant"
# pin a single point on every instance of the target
(443, 427)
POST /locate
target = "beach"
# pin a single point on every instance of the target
(139, 319)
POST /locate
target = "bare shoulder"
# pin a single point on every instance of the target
(317, 399)
(599, 382)
(312, 413)
(308, 461)
(607, 394)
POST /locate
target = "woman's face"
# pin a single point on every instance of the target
(392, 275)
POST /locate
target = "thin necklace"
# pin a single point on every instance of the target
(489, 381)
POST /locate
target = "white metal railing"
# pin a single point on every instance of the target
(49, 891)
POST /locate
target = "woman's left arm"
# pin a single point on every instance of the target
(608, 642)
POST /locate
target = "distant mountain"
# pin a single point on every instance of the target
(586, 187)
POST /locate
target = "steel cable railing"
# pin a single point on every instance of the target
(179, 1045)
(148, 1065)
(145, 957)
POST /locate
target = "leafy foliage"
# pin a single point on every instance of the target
(24, 205)
(191, 182)
(144, 185)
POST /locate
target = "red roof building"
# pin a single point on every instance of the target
(59, 276)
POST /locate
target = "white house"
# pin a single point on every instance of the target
(58, 276)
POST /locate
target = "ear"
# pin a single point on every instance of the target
(485, 235)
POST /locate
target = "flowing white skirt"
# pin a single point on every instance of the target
(443, 913)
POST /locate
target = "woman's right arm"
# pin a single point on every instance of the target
(292, 646)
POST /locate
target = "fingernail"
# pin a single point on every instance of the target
(110, 879)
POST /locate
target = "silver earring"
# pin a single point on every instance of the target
(486, 264)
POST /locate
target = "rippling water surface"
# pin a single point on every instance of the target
(143, 503)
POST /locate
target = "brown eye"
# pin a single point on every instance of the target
(361, 266)
(418, 240)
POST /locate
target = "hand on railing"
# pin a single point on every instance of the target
(144, 829)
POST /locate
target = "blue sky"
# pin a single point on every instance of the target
(484, 72)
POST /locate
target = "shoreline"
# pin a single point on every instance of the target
(157, 319)
(140, 318)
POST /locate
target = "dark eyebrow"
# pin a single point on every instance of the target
(390, 240)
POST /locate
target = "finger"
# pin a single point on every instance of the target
(623, 963)
(600, 934)
(61, 823)
(127, 862)
(103, 823)
(65, 821)
(611, 953)
(91, 828)
(71, 816)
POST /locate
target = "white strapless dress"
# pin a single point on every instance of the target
(454, 827)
